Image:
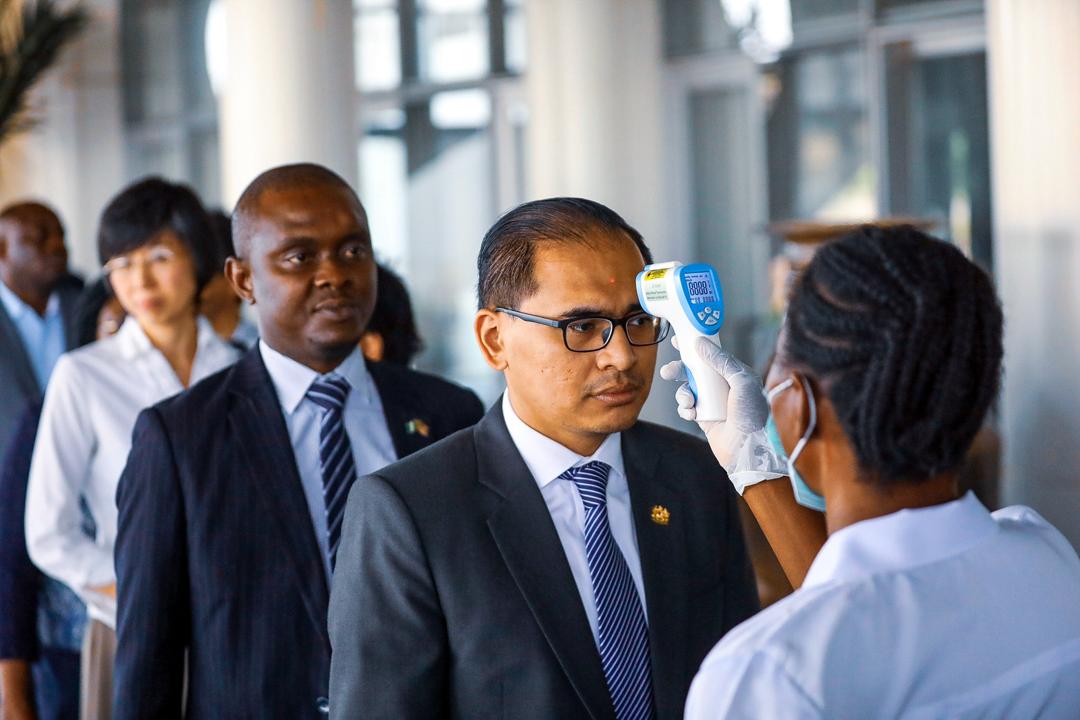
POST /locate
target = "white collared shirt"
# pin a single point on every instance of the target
(547, 460)
(91, 404)
(365, 424)
(941, 612)
(43, 337)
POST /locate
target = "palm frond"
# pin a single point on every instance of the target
(46, 30)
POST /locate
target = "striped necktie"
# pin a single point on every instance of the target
(335, 454)
(623, 632)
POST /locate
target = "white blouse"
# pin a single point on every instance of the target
(92, 401)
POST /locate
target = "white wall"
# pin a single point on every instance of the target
(1035, 133)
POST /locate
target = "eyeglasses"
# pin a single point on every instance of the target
(589, 334)
(125, 265)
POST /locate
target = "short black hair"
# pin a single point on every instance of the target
(904, 334)
(505, 264)
(281, 178)
(221, 246)
(393, 318)
(145, 208)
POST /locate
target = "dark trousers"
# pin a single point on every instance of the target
(56, 684)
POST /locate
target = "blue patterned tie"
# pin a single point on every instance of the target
(335, 454)
(624, 634)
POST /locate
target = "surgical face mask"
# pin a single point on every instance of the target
(803, 494)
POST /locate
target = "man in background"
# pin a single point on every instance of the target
(37, 306)
(38, 299)
(231, 503)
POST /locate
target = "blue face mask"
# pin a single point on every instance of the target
(803, 494)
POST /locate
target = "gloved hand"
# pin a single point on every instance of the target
(739, 443)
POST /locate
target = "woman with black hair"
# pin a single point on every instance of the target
(152, 243)
(921, 603)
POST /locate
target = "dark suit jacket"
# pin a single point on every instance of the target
(453, 597)
(216, 553)
(18, 384)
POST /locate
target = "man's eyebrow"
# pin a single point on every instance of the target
(593, 311)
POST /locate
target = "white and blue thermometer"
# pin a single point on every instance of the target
(690, 299)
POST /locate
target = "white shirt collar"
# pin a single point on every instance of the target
(292, 379)
(901, 540)
(16, 307)
(547, 459)
(133, 341)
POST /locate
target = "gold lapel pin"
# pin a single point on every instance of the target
(417, 427)
(660, 515)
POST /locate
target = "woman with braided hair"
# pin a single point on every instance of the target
(920, 603)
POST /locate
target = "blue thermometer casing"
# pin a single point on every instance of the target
(691, 299)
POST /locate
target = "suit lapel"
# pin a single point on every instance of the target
(16, 352)
(257, 421)
(401, 410)
(662, 549)
(525, 536)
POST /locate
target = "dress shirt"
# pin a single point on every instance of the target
(43, 337)
(940, 612)
(365, 424)
(91, 404)
(547, 460)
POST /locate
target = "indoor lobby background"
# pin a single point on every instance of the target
(704, 122)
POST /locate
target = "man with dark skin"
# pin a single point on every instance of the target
(231, 502)
(36, 315)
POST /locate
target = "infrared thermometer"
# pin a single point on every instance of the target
(690, 299)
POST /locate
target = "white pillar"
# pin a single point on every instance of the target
(286, 92)
(1034, 64)
(596, 106)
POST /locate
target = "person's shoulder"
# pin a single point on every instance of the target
(421, 381)
(203, 398)
(672, 438)
(101, 355)
(683, 454)
(1022, 524)
(70, 283)
(790, 633)
(452, 456)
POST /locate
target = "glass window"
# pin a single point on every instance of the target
(819, 118)
(695, 26)
(378, 45)
(153, 71)
(516, 38)
(939, 155)
(453, 39)
(170, 111)
(809, 10)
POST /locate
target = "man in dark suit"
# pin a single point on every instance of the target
(560, 559)
(231, 502)
(37, 307)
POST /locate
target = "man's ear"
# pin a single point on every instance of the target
(239, 274)
(488, 330)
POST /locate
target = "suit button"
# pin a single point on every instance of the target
(322, 705)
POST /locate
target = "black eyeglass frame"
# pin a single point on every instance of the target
(615, 323)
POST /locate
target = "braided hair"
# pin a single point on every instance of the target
(905, 336)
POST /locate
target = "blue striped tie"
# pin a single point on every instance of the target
(624, 634)
(335, 454)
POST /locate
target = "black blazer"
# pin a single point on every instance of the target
(216, 554)
(18, 384)
(453, 597)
